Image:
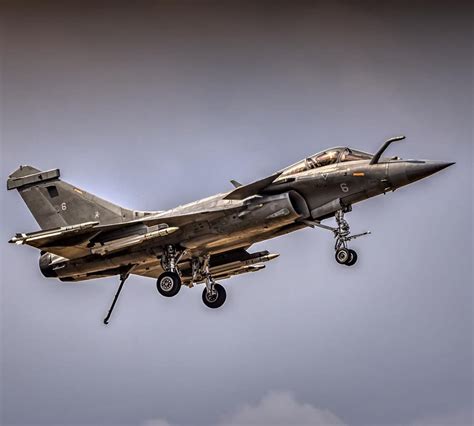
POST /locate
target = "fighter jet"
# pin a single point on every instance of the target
(84, 237)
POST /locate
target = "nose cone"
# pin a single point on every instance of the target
(417, 171)
(405, 172)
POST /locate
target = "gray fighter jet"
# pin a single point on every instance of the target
(83, 236)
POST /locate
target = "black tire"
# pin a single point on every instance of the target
(342, 256)
(217, 300)
(168, 284)
(352, 258)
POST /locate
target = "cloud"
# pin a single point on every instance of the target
(457, 418)
(156, 422)
(281, 408)
(276, 408)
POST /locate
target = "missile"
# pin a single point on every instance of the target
(257, 258)
(131, 240)
(242, 270)
(26, 238)
(260, 259)
(252, 268)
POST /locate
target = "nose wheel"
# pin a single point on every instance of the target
(342, 256)
(346, 256)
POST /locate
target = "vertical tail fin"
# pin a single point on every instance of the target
(55, 203)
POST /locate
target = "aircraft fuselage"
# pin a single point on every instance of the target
(283, 207)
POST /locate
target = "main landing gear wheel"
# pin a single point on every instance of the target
(168, 284)
(352, 257)
(215, 299)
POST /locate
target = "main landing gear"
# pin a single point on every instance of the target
(214, 294)
(169, 282)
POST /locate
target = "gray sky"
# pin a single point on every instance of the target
(153, 104)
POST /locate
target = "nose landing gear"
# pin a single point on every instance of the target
(344, 255)
(342, 233)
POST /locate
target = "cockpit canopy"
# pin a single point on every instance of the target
(325, 158)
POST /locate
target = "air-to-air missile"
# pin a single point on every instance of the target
(122, 243)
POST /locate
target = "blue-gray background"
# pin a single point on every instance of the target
(152, 104)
